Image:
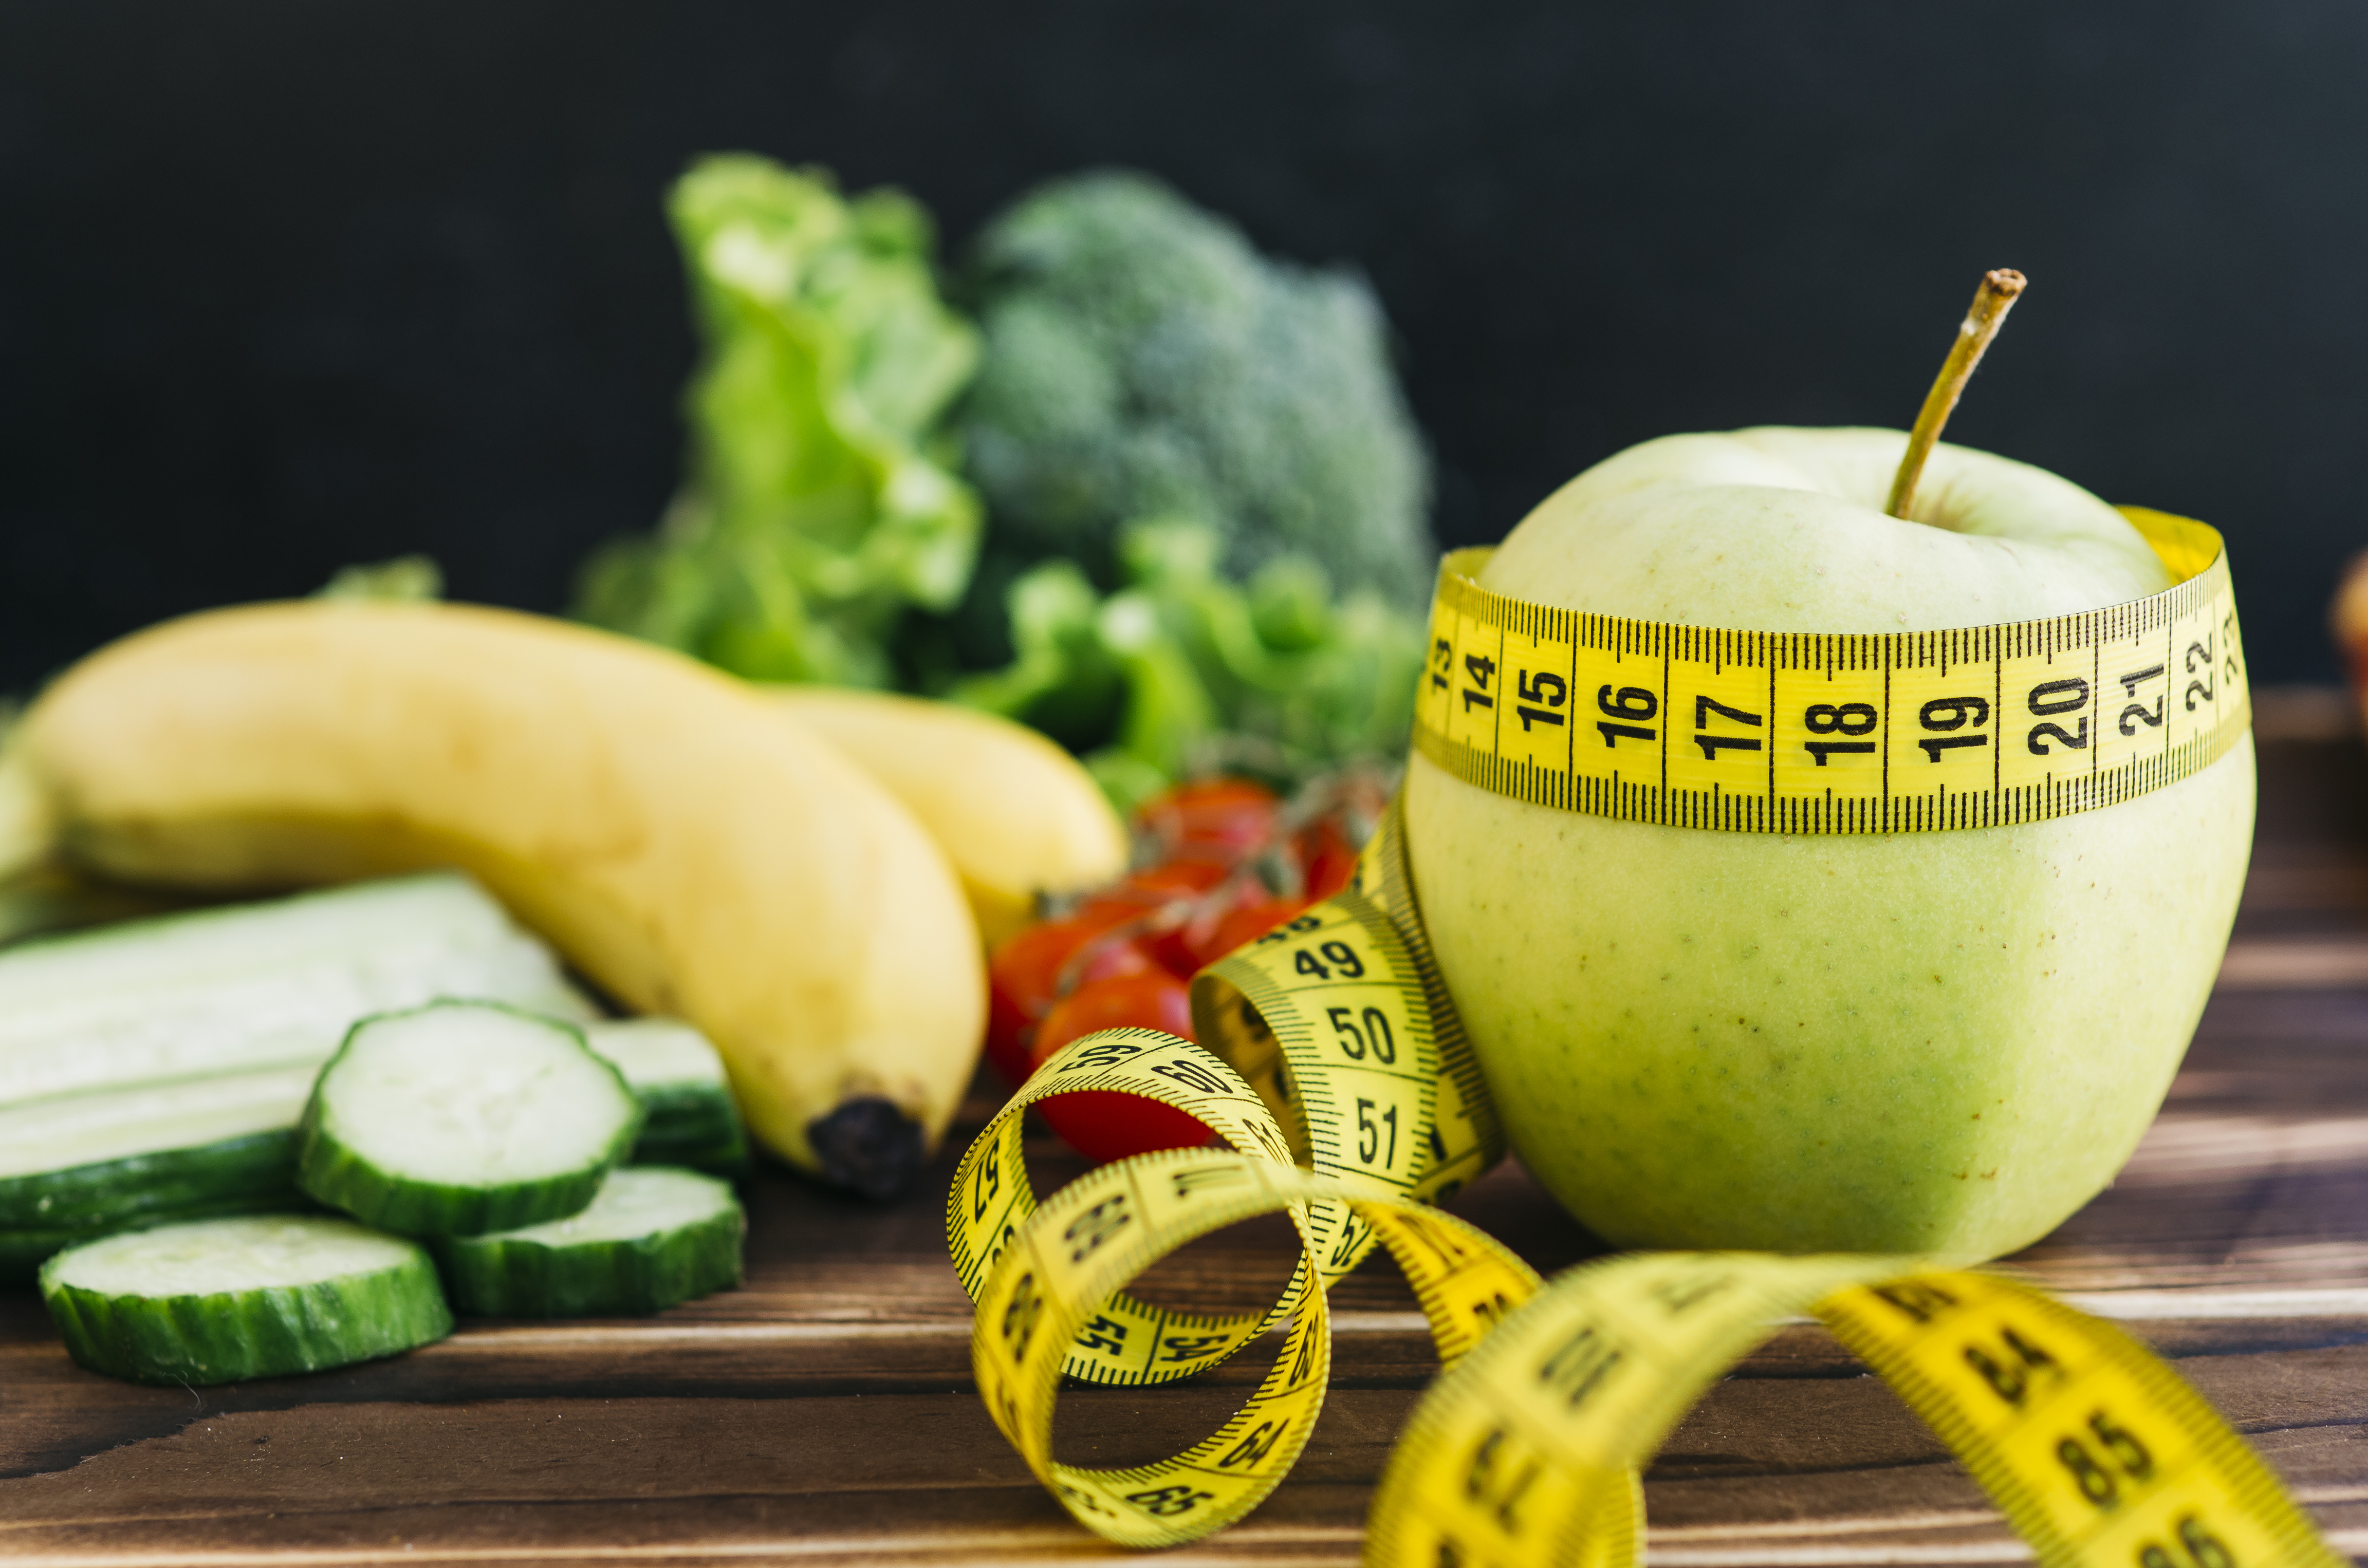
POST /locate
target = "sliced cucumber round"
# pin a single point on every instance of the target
(460, 1118)
(688, 1117)
(654, 1236)
(223, 1301)
(23, 1248)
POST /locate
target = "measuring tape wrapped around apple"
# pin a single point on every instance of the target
(1339, 1076)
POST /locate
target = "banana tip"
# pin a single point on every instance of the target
(868, 1145)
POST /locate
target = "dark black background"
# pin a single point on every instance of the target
(290, 283)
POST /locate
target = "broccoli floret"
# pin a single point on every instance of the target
(1142, 359)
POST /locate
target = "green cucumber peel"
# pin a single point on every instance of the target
(225, 1300)
(654, 1236)
(460, 1117)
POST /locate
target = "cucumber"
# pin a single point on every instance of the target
(23, 1249)
(159, 1067)
(460, 1117)
(688, 1114)
(251, 986)
(655, 1236)
(223, 1301)
(78, 1150)
(114, 1192)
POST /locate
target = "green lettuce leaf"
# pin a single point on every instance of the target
(1183, 672)
(821, 502)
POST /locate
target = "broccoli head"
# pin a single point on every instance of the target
(1141, 358)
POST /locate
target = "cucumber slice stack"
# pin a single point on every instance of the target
(155, 1070)
(223, 1301)
(460, 1118)
(688, 1117)
(654, 1236)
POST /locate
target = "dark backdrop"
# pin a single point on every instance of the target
(290, 283)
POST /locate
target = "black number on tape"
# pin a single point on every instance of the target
(1101, 1053)
(1849, 719)
(1549, 691)
(1916, 1299)
(1679, 1297)
(1020, 1317)
(1190, 1347)
(2076, 740)
(1356, 1037)
(1341, 956)
(1578, 1365)
(2010, 1381)
(1299, 925)
(989, 1181)
(2123, 1445)
(1705, 707)
(1168, 1501)
(2096, 1485)
(1713, 744)
(2204, 1550)
(1481, 670)
(1257, 1446)
(1096, 1225)
(1103, 1333)
(1632, 703)
(1499, 1494)
(1368, 1132)
(2067, 695)
(1191, 1075)
(1949, 713)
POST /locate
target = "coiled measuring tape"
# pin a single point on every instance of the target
(1347, 1097)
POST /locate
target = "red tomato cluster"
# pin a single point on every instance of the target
(1123, 956)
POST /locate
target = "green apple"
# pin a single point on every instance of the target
(1938, 1041)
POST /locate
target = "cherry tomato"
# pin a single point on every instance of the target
(1328, 862)
(1245, 923)
(1173, 888)
(1023, 980)
(1148, 889)
(1109, 1126)
(1224, 820)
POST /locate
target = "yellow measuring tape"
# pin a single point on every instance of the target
(1764, 731)
(1346, 1095)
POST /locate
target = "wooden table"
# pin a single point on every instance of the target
(825, 1411)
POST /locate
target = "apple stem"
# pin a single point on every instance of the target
(1983, 319)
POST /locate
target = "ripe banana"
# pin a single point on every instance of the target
(1015, 813)
(653, 818)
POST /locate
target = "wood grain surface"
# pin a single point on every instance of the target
(823, 1412)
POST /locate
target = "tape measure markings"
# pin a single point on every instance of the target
(1466, 1139)
(1528, 1446)
(2094, 1448)
(1127, 1341)
(1263, 1010)
(1102, 1231)
(1806, 732)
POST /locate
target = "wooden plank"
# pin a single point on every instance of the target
(823, 1412)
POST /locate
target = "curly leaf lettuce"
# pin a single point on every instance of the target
(820, 503)
(1183, 671)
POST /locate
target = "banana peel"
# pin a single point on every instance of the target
(1018, 815)
(653, 818)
